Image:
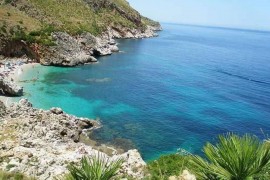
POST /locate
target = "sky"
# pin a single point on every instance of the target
(246, 14)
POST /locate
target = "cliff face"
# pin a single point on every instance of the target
(51, 29)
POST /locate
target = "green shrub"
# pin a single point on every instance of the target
(234, 158)
(21, 35)
(42, 36)
(3, 29)
(46, 42)
(9, 166)
(35, 33)
(168, 165)
(94, 168)
(48, 29)
(8, 1)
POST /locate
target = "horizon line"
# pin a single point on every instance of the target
(219, 27)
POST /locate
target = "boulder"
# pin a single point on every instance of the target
(133, 165)
(25, 103)
(114, 48)
(10, 88)
(56, 110)
(85, 124)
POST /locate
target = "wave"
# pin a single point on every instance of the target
(98, 80)
(243, 77)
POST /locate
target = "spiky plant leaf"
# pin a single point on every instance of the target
(234, 158)
(95, 168)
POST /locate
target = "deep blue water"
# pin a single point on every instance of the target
(179, 90)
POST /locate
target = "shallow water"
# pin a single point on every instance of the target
(175, 91)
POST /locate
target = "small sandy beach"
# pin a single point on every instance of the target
(13, 71)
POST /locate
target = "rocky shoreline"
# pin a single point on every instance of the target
(84, 48)
(42, 143)
(72, 51)
(76, 50)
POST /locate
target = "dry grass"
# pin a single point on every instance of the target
(13, 176)
(8, 132)
(68, 15)
(13, 17)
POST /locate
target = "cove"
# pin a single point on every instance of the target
(178, 90)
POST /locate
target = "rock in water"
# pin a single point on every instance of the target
(10, 88)
(56, 110)
(85, 124)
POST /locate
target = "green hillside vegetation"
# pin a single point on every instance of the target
(29, 19)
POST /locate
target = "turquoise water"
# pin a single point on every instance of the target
(175, 91)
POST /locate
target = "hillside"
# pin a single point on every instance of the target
(36, 22)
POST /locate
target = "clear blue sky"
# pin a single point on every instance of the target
(248, 14)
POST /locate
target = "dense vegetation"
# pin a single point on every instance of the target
(232, 158)
(168, 165)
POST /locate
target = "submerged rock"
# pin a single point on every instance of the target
(56, 110)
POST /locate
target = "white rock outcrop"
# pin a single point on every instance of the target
(42, 143)
(10, 88)
(186, 175)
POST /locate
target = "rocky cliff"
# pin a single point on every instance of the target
(68, 33)
(42, 143)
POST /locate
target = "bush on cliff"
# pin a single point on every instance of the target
(234, 158)
(168, 165)
(94, 168)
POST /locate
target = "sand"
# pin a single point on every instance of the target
(15, 74)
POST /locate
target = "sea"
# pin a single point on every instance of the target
(174, 92)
